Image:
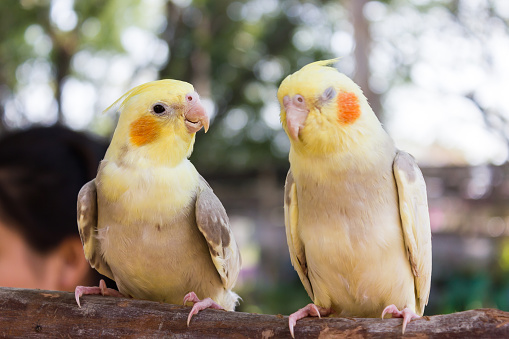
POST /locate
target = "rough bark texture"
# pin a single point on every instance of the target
(36, 314)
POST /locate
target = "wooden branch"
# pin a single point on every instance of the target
(36, 314)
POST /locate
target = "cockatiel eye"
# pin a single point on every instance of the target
(298, 100)
(192, 97)
(159, 109)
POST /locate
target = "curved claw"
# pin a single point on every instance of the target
(407, 315)
(194, 311)
(313, 306)
(191, 296)
(291, 324)
(199, 305)
(393, 310)
(308, 310)
(80, 291)
(77, 294)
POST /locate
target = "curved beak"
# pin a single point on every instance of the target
(296, 115)
(195, 115)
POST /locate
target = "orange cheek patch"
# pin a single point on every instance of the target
(144, 130)
(348, 108)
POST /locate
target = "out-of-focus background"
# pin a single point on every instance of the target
(435, 71)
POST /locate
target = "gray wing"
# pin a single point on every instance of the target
(413, 207)
(295, 245)
(87, 225)
(214, 224)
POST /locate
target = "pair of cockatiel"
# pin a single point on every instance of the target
(356, 214)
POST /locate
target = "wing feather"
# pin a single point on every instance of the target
(413, 206)
(295, 245)
(87, 226)
(214, 224)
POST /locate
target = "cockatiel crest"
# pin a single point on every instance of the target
(148, 220)
(356, 214)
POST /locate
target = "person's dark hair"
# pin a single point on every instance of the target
(41, 172)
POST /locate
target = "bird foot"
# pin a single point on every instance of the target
(310, 310)
(199, 305)
(101, 289)
(407, 315)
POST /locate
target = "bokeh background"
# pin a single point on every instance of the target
(435, 71)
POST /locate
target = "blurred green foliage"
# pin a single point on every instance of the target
(284, 298)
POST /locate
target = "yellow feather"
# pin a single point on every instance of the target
(150, 192)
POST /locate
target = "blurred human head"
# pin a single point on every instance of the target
(41, 172)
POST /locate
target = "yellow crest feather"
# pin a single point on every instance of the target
(120, 102)
(323, 63)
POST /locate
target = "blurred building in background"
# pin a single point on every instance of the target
(435, 72)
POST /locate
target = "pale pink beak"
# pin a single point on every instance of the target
(296, 114)
(195, 115)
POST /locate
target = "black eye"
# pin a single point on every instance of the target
(159, 109)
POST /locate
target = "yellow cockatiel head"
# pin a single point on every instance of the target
(323, 111)
(157, 124)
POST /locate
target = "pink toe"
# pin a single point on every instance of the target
(192, 297)
(315, 312)
(310, 310)
(408, 316)
(200, 305)
(393, 310)
(108, 291)
(80, 291)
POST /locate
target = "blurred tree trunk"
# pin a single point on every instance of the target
(62, 70)
(64, 47)
(173, 13)
(3, 127)
(197, 66)
(362, 38)
(200, 58)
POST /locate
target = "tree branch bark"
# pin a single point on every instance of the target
(36, 313)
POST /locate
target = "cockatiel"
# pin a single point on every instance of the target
(356, 213)
(148, 220)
